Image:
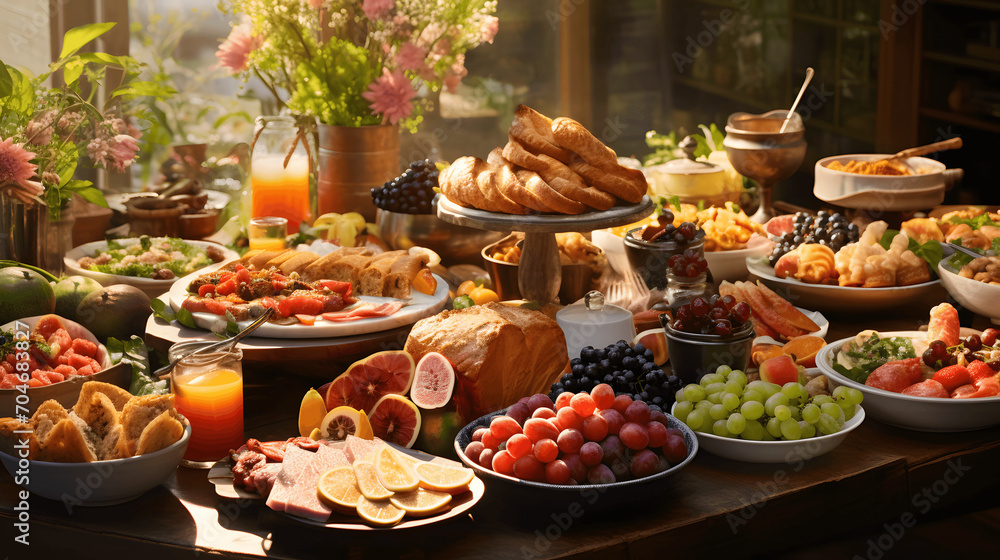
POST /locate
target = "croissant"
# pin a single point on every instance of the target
(811, 263)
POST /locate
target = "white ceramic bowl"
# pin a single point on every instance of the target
(980, 297)
(150, 286)
(789, 452)
(923, 414)
(614, 249)
(883, 192)
(732, 265)
(101, 483)
(838, 299)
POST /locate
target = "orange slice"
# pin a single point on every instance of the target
(395, 474)
(421, 503)
(444, 479)
(803, 349)
(379, 513)
(368, 482)
(338, 487)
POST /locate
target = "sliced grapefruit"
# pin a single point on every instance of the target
(344, 421)
(421, 503)
(368, 380)
(433, 381)
(395, 419)
(394, 473)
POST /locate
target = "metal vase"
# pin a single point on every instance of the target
(28, 236)
(353, 160)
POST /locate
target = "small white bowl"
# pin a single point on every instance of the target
(980, 297)
(732, 265)
(789, 452)
(924, 414)
(614, 249)
(100, 483)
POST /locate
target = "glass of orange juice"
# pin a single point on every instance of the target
(208, 391)
(280, 182)
(267, 233)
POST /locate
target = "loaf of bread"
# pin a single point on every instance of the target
(500, 353)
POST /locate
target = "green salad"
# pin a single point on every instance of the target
(159, 258)
(859, 358)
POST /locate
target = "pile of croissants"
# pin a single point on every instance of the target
(548, 166)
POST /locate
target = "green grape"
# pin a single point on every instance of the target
(734, 386)
(703, 406)
(705, 428)
(715, 388)
(694, 392)
(782, 412)
(792, 390)
(820, 400)
(731, 401)
(758, 385)
(711, 378)
(810, 413)
(855, 396)
(719, 429)
(718, 412)
(682, 410)
(834, 411)
(696, 419)
(752, 410)
(753, 431)
(849, 409)
(768, 436)
(774, 427)
(723, 370)
(808, 430)
(840, 393)
(715, 398)
(753, 396)
(796, 413)
(679, 395)
(773, 401)
(737, 375)
(736, 423)
(827, 425)
(790, 430)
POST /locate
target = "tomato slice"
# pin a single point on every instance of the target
(299, 305)
(339, 287)
(309, 320)
(206, 289)
(242, 275)
(215, 307)
(227, 287)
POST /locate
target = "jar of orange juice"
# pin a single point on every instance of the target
(208, 391)
(280, 182)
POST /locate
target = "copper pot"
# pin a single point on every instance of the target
(353, 160)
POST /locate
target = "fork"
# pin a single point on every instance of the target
(618, 294)
(637, 287)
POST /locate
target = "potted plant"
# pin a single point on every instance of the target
(356, 67)
(44, 133)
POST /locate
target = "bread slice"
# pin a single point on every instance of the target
(400, 278)
(115, 394)
(280, 259)
(162, 432)
(138, 413)
(320, 269)
(100, 414)
(260, 259)
(66, 443)
(372, 279)
(114, 445)
(46, 416)
(10, 440)
(298, 263)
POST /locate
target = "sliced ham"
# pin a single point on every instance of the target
(295, 461)
(303, 500)
(263, 477)
(358, 449)
(365, 311)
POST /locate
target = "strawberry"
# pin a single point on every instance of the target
(953, 377)
(979, 370)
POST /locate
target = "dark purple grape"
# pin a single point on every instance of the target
(929, 357)
(723, 328)
(974, 343)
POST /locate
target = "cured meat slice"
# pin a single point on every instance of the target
(896, 376)
(365, 311)
(761, 307)
(262, 477)
(944, 324)
(927, 388)
(295, 461)
(303, 500)
(358, 449)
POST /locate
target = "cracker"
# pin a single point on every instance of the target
(161, 433)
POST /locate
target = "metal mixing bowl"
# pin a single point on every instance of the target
(456, 244)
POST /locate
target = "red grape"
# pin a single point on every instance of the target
(591, 453)
(583, 404)
(478, 434)
(637, 412)
(675, 432)
(974, 343)
(634, 436)
(474, 450)
(728, 301)
(675, 450)
(557, 472)
(518, 446)
(563, 399)
(538, 401)
(600, 474)
(503, 462)
(699, 307)
(657, 434)
(990, 336)
(621, 403)
(570, 441)
(615, 420)
(603, 395)
(619, 467)
(717, 313)
(568, 418)
(613, 449)
(502, 427)
(723, 328)
(538, 428)
(529, 468)
(546, 450)
(595, 427)
(645, 463)
(658, 416)
(742, 312)
(519, 412)
(490, 442)
(543, 413)
(691, 270)
(486, 458)
(577, 470)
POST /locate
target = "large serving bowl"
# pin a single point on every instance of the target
(152, 287)
(924, 189)
(456, 244)
(789, 452)
(980, 297)
(100, 483)
(554, 497)
(923, 414)
(576, 278)
(65, 392)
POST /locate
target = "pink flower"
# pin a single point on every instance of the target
(16, 171)
(123, 149)
(491, 24)
(390, 94)
(39, 129)
(410, 57)
(315, 4)
(453, 78)
(99, 148)
(235, 51)
(377, 9)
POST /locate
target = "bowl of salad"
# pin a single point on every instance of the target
(151, 264)
(851, 361)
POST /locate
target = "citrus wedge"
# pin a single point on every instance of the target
(316, 434)
(443, 479)
(344, 421)
(368, 482)
(394, 473)
(311, 412)
(338, 487)
(421, 503)
(379, 513)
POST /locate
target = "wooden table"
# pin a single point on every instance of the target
(879, 475)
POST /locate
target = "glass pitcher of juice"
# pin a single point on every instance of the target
(208, 391)
(280, 189)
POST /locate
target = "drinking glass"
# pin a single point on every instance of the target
(208, 391)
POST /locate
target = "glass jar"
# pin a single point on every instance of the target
(208, 391)
(649, 258)
(681, 290)
(280, 182)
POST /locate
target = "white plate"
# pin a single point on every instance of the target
(980, 297)
(416, 308)
(838, 299)
(151, 287)
(923, 414)
(216, 200)
(789, 452)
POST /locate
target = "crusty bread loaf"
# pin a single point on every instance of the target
(500, 353)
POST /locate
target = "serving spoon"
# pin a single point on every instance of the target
(805, 83)
(164, 372)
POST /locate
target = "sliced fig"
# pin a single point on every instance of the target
(655, 340)
(433, 381)
(395, 419)
(370, 379)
